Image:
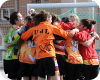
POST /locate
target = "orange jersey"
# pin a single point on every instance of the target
(74, 56)
(91, 62)
(27, 53)
(58, 26)
(60, 52)
(43, 37)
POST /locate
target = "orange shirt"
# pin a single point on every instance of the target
(43, 37)
(91, 62)
(28, 52)
(60, 52)
(58, 26)
(74, 56)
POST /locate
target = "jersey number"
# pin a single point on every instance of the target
(74, 46)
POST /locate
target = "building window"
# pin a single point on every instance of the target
(40, 1)
(44, 1)
(6, 11)
(36, 1)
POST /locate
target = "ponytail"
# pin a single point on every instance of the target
(41, 17)
(55, 18)
(88, 23)
(6, 17)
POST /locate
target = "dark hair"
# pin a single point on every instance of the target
(33, 14)
(88, 23)
(6, 17)
(30, 18)
(41, 17)
(55, 18)
(65, 19)
(13, 17)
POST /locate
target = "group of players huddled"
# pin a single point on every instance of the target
(50, 47)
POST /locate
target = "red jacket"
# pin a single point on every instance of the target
(68, 25)
(86, 52)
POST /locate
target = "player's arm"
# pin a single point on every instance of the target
(26, 35)
(89, 42)
(59, 47)
(6, 38)
(6, 42)
(60, 32)
(17, 37)
(14, 41)
(72, 32)
(97, 36)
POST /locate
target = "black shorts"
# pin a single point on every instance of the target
(73, 71)
(11, 68)
(90, 71)
(61, 63)
(26, 70)
(45, 66)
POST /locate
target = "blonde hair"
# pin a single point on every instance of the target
(76, 19)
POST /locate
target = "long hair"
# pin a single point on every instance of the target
(41, 17)
(30, 18)
(76, 19)
(55, 18)
(6, 17)
(88, 23)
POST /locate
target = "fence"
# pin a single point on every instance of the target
(1, 57)
(83, 10)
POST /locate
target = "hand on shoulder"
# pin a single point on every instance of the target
(31, 11)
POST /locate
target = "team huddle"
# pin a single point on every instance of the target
(48, 47)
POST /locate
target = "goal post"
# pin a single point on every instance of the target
(61, 5)
(85, 10)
